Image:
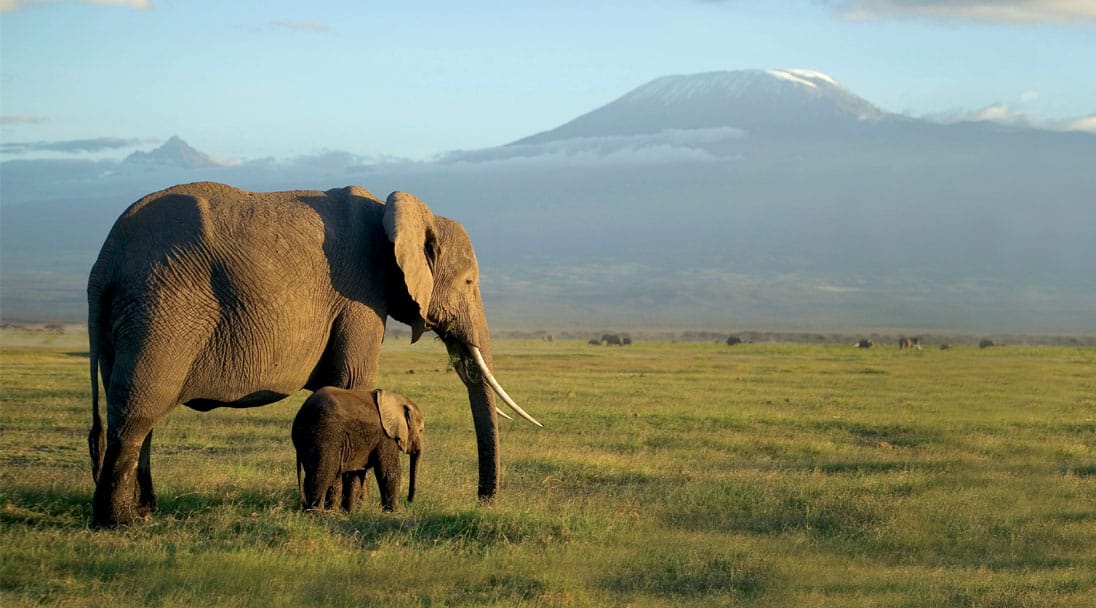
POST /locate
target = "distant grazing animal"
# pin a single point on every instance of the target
(945, 346)
(732, 340)
(594, 342)
(625, 340)
(865, 343)
(912, 343)
(341, 434)
(986, 343)
(612, 339)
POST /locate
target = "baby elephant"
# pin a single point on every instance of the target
(340, 434)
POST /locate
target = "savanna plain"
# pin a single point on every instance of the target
(684, 474)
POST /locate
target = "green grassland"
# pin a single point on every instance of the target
(666, 474)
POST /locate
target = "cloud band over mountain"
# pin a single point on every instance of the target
(73, 146)
(991, 11)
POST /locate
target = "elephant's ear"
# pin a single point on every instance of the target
(393, 417)
(409, 224)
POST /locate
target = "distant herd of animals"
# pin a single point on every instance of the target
(611, 340)
(915, 343)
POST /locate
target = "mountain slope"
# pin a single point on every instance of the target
(757, 101)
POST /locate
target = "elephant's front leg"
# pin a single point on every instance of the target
(387, 471)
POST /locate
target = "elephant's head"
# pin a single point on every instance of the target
(402, 422)
(441, 276)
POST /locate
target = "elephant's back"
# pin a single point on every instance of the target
(210, 211)
(333, 410)
(207, 228)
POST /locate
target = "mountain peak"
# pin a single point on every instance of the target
(772, 101)
(733, 83)
(174, 153)
(808, 78)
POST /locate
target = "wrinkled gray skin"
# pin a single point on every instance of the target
(340, 435)
(211, 296)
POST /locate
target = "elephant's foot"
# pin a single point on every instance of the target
(118, 515)
(146, 503)
(112, 508)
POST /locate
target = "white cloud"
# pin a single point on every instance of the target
(136, 4)
(1005, 115)
(991, 11)
(668, 146)
(22, 119)
(73, 146)
(11, 6)
(302, 26)
(1085, 123)
(1029, 96)
(999, 113)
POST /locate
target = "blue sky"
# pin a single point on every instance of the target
(274, 78)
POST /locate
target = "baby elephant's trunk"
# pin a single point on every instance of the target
(414, 471)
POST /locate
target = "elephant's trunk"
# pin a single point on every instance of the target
(484, 414)
(414, 472)
(473, 364)
(482, 401)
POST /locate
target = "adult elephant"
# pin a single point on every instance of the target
(211, 296)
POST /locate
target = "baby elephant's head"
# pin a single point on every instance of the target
(402, 420)
(403, 423)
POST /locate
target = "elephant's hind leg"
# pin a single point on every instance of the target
(123, 492)
(321, 483)
(353, 486)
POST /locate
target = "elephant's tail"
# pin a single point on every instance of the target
(96, 434)
(300, 483)
(97, 313)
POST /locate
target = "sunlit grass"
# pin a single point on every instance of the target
(666, 474)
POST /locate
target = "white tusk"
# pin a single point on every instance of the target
(503, 414)
(478, 356)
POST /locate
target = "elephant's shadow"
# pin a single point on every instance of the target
(46, 508)
(472, 529)
(69, 508)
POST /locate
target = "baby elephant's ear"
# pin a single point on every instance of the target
(393, 417)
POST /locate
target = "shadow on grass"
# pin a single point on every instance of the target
(884, 435)
(1083, 470)
(45, 508)
(825, 511)
(685, 572)
(472, 530)
(580, 479)
(21, 505)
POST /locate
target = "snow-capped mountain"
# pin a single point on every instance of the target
(754, 101)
